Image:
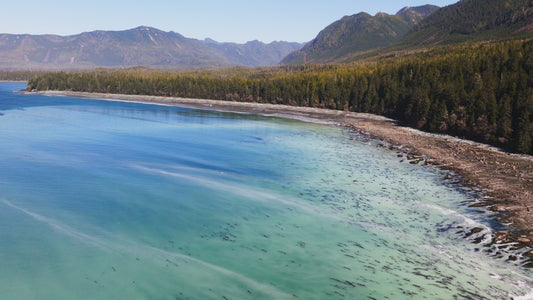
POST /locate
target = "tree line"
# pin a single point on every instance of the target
(481, 92)
(19, 75)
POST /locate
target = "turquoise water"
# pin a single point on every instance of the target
(114, 200)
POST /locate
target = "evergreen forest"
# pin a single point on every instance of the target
(482, 92)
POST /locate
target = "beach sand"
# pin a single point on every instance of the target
(504, 180)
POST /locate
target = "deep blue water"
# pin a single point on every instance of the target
(115, 200)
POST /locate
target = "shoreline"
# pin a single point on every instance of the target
(503, 180)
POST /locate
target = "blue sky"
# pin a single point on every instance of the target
(222, 20)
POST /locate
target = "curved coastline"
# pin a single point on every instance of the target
(504, 180)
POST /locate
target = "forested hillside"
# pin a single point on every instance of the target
(361, 32)
(483, 92)
(418, 28)
(472, 21)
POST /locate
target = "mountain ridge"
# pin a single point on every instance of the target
(141, 46)
(467, 21)
(473, 21)
(358, 33)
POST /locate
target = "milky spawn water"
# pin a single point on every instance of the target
(115, 200)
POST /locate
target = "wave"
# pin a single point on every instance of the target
(526, 296)
(467, 222)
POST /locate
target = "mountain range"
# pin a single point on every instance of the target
(141, 46)
(348, 39)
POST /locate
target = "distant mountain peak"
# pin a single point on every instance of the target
(147, 28)
(210, 41)
(404, 10)
(423, 11)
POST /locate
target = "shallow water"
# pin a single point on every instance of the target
(116, 200)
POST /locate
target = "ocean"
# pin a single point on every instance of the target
(117, 200)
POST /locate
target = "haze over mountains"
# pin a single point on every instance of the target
(150, 47)
(348, 39)
(141, 46)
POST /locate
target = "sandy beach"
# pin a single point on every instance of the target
(504, 180)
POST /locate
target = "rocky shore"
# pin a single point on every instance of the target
(504, 180)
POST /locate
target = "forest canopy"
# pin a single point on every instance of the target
(482, 92)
